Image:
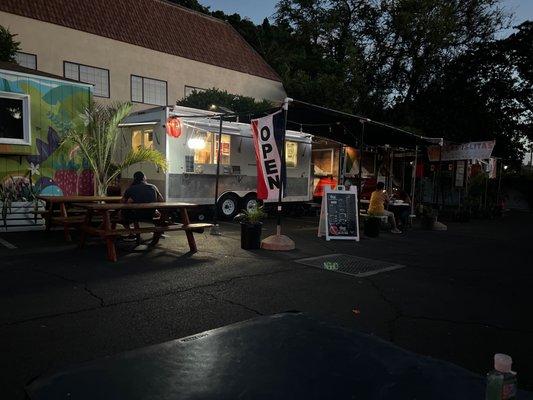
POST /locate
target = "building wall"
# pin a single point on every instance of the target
(54, 105)
(54, 44)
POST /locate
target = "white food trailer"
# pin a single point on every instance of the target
(192, 159)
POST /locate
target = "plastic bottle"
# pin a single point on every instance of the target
(501, 382)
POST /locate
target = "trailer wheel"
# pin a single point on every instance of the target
(250, 202)
(228, 206)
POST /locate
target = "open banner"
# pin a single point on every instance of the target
(268, 135)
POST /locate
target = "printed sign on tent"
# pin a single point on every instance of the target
(465, 151)
(268, 134)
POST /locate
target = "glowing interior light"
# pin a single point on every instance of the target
(196, 143)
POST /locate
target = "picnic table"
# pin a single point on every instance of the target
(164, 222)
(68, 217)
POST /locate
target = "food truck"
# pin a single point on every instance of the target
(189, 140)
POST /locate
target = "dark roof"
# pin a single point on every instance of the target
(18, 68)
(154, 24)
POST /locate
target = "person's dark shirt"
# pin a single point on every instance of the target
(142, 193)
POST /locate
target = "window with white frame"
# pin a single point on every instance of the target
(98, 77)
(148, 91)
(26, 60)
(14, 118)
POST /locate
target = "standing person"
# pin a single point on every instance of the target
(377, 205)
(140, 191)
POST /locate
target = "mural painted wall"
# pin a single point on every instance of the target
(55, 106)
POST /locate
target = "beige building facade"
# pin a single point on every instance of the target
(131, 72)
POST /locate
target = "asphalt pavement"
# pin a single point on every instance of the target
(463, 295)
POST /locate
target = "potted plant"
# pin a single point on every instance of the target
(428, 218)
(372, 225)
(19, 204)
(6, 198)
(251, 227)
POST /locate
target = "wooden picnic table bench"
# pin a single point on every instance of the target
(66, 216)
(108, 229)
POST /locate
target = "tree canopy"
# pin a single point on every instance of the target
(8, 45)
(433, 66)
(239, 104)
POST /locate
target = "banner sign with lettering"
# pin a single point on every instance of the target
(465, 151)
(268, 134)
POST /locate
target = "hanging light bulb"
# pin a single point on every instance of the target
(196, 142)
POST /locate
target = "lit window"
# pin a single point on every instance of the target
(148, 139)
(98, 77)
(149, 91)
(205, 145)
(26, 60)
(142, 139)
(14, 118)
(291, 154)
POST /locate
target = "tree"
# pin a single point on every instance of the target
(96, 138)
(8, 45)
(483, 94)
(239, 104)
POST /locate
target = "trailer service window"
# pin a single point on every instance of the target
(142, 139)
(291, 154)
(207, 154)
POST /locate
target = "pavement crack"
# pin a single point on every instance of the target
(138, 300)
(64, 278)
(232, 302)
(91, 293)
(395, 308)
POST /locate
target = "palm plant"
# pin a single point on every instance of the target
(96, 138)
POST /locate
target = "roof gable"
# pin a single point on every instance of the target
(154, 24)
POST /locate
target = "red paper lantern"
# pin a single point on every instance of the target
(174, 127)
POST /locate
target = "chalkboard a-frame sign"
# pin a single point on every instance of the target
(339, 216)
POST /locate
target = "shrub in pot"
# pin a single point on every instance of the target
(372, 225)
(251, 227)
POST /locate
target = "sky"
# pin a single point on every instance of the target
(257, 10)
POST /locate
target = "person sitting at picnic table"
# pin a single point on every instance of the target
(404, 212)
(140, 191)
(377, 205)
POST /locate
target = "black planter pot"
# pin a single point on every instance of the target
(372, 226)
(428, 222)
(251, 235)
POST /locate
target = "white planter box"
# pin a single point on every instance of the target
(22, 217)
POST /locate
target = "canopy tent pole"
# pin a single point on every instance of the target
(278, 241)
(341, 164)
(498, 195)
(360, 172)
(413, 182)
(215, 229)
(391, 167)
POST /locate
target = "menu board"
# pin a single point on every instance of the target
(339, 218)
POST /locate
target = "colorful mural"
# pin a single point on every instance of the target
(55, 106)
